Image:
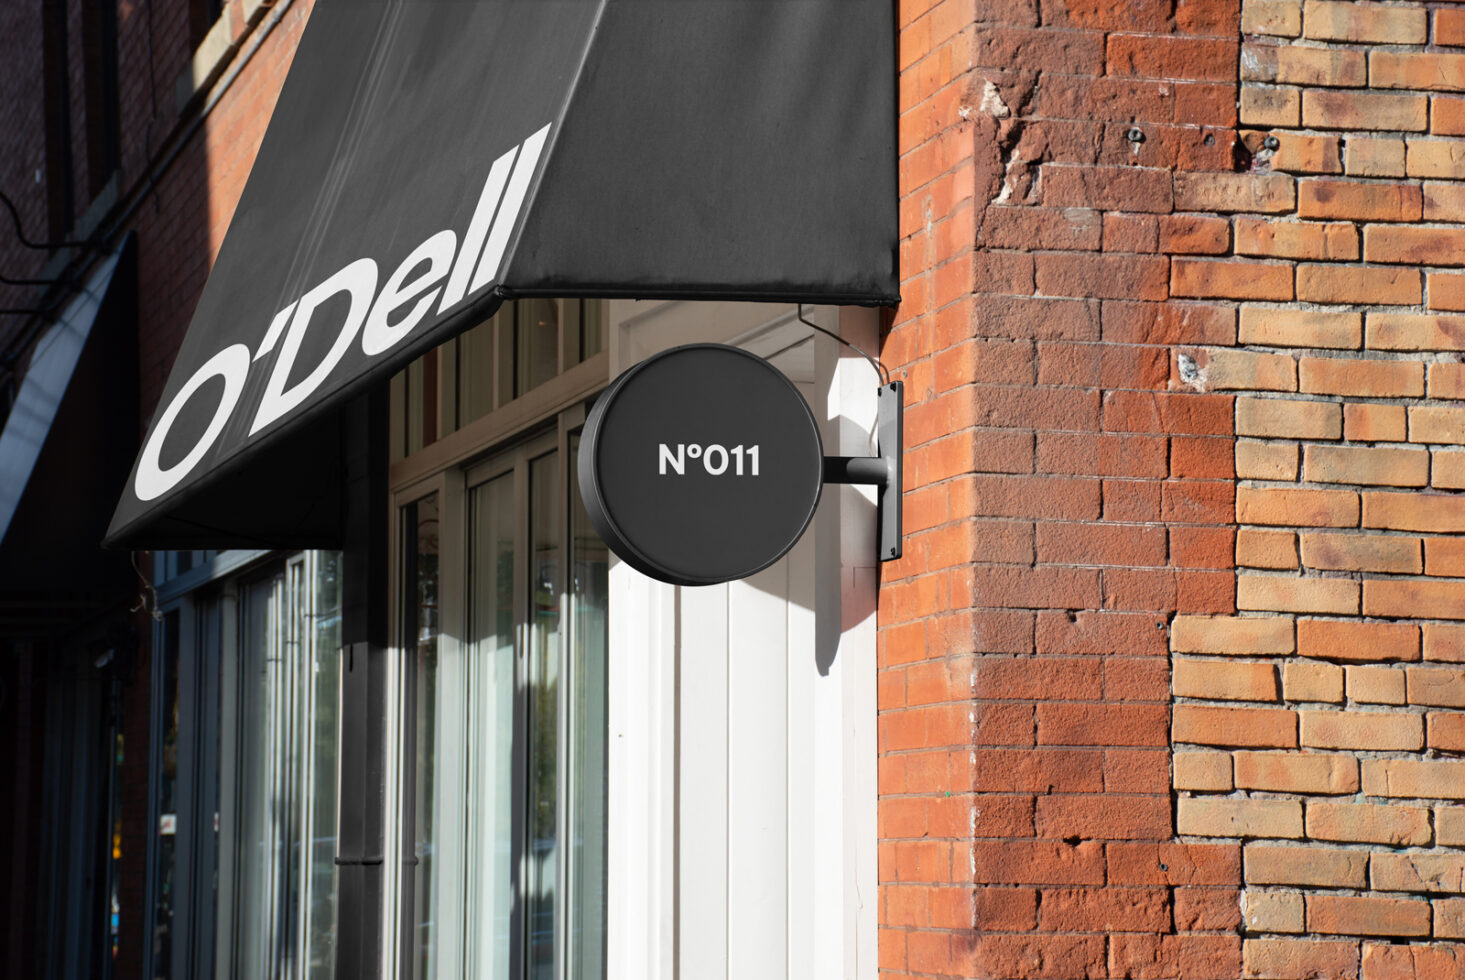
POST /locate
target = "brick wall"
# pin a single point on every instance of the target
(1169, 680)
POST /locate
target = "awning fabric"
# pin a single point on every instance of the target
(66, 445)
(429, 158)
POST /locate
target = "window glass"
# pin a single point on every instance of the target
(420, 634)
(509, 731)
(587, 705)
(541, 861)
(536, 343)
(166, 760)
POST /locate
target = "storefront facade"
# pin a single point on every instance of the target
(1166, 681)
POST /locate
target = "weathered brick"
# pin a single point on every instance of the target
(1436, 424)
(1379, 156)
(1359, 200)
(1194, 234)
(1352, 640)
(1359, 284)
(1245, 727)
(1234, 192)
(1265, 326)
(1416, 70)
(1280, 18)
(1417, 872)
(1436, 512)
(1374, 423)
(1372, 823)
(1266, 549)
(1449, 27)
(1325, 867)
(1444, 200)
(1211, 817)
(1245, 636)
(1257, 460)
(1446, 289)
(1104, 276)
(1414, 778)
(1289, 772)
(1228, 369)
(1376, 731)
(1447, 381)
(1297, 239)
(1377, 466)
(1296, 65)
(1205, 278)
(1205, 771)
(1449, 826)
(1435, 158)
(1444, 642)
(1305, 154)
(1414, 331)
(1281, 593)
(1288, 418)
(1449, 918)
(1407, 597)
(1299, 959)
(1386, 961)
(1312, 680)
(1273, 912)
(1368, 684)
(1442, 687)
(1296, 507)
(1367, 915)
(1140, 189)
(1447, 115)
(1223, 680)
(1414, 245)
(1375, 23)
(1369, 379)
(1270, 105)
(1336, 108)
(1445, 556)
(1362, 553)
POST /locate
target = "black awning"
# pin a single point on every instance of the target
(65, 449)
(429, 158)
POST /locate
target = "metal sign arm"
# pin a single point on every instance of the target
(882, 471)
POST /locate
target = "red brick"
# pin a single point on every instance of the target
(1104, 817)
(1231, 279)
(1412, 962)
(1414, 245)
(1300, 959)
(1246, 727)
(1194, 234)
(1359, 284)
(1104, 910)
(1234, 192)
(1368, 822)
(1359, 200)
(1104, 276)
(1107, 188)
(1326, 867)
(1350, 915)
(1376, 23)
(1038, 863)
(1102, 724)
(1171, 57)
(1297, 240)
(1040, 228)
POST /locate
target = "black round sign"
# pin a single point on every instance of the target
(701, 464)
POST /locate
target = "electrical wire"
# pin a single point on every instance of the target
(880, 371)
(20, 232)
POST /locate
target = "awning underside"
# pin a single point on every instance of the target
(429, 158)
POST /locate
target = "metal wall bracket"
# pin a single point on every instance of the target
(881, 471)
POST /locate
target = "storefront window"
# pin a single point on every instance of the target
(244, 878)
(508, 735)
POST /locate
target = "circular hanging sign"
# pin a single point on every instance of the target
(700, 465)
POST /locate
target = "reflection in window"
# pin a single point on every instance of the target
(509, 755)
(526, 344)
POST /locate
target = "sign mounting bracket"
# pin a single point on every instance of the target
(882, 471)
